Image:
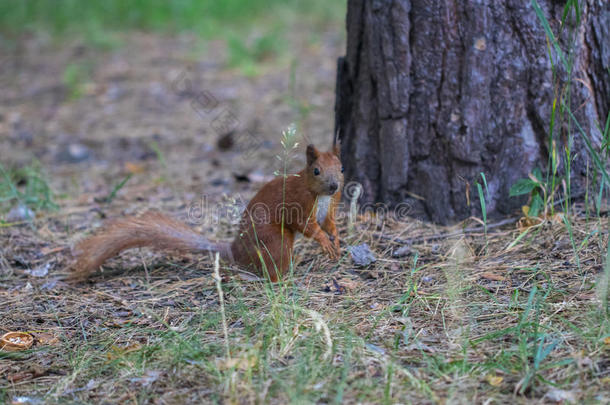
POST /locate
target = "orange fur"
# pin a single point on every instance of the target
(281, 209)
(151, 229)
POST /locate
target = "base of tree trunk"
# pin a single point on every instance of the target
(431, 94)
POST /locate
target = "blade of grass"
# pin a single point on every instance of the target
(116, 189)
(591, 149)
(549, 33)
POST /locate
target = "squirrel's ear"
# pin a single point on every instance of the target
(337, 150)
(337, 144)
(312, 154)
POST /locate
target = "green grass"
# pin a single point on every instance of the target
(395, 338)
(563, 128)
(248, 54)
(282, 350)
(295, 342)
(25, 187)
(74, 78)
(202, 16)
(483, 205)
(255, 31)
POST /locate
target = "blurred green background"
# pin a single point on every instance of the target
(207, 17)
(65, 58)
(254, 30)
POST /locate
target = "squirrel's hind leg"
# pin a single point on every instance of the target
(276, 254)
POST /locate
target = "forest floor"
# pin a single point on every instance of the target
(169, 122)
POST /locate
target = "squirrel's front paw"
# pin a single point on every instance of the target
(328, 248)
(335, 240)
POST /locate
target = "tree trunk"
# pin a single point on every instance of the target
(431, 93)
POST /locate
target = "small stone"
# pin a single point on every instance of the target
(268, 144)
(558, 395)
(402, 251)
(74, 153)
(427, 279)
(258, 176)
(50, 285)
(226, 141)
(39, 271)
(19, 213)
(362, 255)
(219, 182)
(27, 400)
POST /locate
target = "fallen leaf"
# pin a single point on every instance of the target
(527, 222)
(134, 168)
(45, 338)
(556, 218)
(607, 340)
(119, 351)
(349, 283)
(525, 209)
(34, 372)
(492, 276)
(22, 376)
(241, 363)
(494, 380)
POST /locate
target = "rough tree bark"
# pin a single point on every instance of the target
(433, 92)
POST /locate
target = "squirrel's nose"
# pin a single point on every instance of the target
(333, 187)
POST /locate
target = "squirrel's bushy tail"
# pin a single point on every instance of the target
(151, 229)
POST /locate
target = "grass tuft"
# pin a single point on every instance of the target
(25, 187)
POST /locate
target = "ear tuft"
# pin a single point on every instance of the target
(337, 150)
(312, 154)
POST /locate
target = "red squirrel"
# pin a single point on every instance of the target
(305, 203)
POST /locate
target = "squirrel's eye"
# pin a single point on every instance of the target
(316, 171)
(342, 169)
